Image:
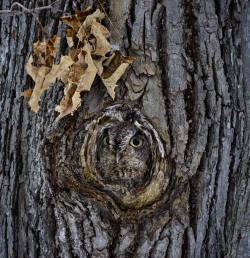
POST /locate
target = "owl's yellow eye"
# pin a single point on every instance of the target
(136, 142)
(106, 140)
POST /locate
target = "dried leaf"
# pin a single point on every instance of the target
(82, 78)
(110, 82)
(70, 37)
(88, 77)
(77, 70)
(111, 64)
(45, 76)
(102, 46)
(75, 21)
(53, 45)
(99, 64)
(65, 106)
(39, 49)
(87, 57)
(58, 71)
(115, 68)
(73, 53)
(27, 93)
(31, 70)
(97, 15)
(38, 90)
(85, 28)
(46, 50)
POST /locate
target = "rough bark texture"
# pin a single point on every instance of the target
(191, 77)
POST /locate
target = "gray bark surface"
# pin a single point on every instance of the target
(191, 77)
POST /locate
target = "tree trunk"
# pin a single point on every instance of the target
(190, 78)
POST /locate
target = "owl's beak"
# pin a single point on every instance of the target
(118, 156)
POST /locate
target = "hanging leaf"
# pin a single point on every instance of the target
(88, 56)
(80, 79)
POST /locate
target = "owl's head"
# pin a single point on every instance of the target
(124, 155)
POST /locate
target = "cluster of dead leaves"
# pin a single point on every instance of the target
(89, 55)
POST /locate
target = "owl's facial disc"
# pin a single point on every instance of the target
(118, 138)
(124, 155)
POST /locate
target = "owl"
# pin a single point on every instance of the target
(123, 155)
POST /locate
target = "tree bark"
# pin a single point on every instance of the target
(191, 78)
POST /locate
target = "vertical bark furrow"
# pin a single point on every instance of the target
(26, 231)
(163, 60)
(62, 239)
(237, 230)
(175, 75)
(211, 73)
(191, 49)
(10, 142)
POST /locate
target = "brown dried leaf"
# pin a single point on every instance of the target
(70, 37)
(45, 76)
(115, 68)
(111, 64)
(73, 53)
(27, 93)
(87, 79)
(87, 41)
(75, 21)
(59, 71)
(39, 49)
(65, 106)
(111, 81)
(31, 69)
(38, 90)
(84, 30)
(53, 45)
(76, 71)
(97, 15)
(101, 33)
(46, 50)
(81, 78)
(99, 64)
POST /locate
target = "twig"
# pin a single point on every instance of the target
(10, 12)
